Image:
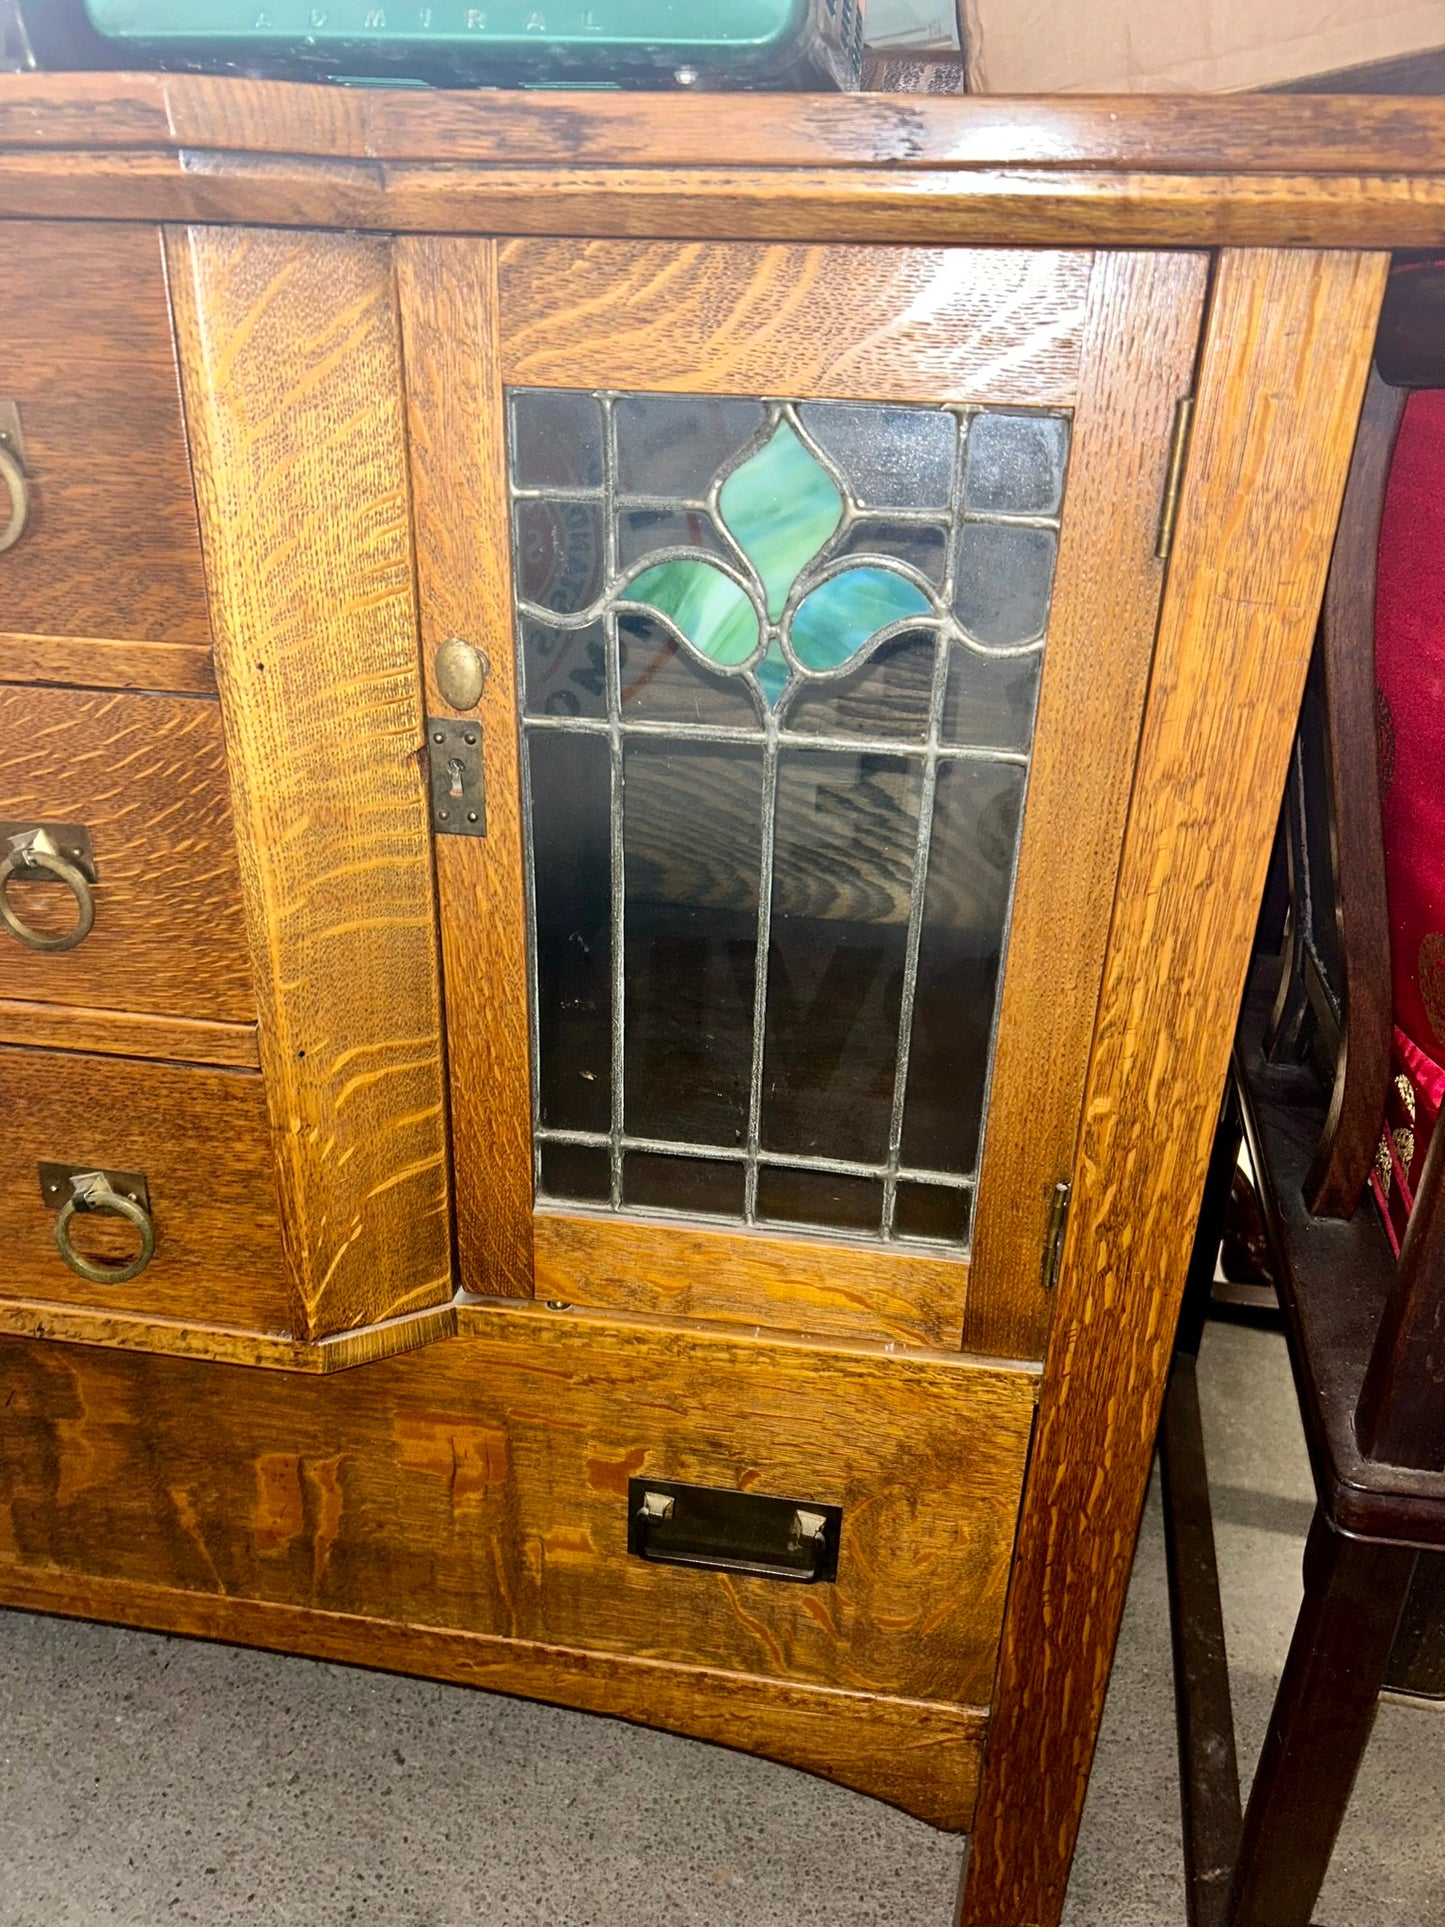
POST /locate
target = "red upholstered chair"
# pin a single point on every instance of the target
(1410, 689)
(1350, 1169)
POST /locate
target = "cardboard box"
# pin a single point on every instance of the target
(1183, 46)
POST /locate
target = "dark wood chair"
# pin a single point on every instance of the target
(1310, 1089)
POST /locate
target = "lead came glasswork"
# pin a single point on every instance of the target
(779, 667)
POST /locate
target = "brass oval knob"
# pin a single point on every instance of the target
(13, 476)
(35, 854)
(94, 1190)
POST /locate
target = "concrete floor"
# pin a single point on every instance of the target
(146, 1780)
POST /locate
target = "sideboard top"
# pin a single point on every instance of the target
(1245, 169)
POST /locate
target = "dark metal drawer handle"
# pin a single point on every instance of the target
(93, 1191)
(726, 1531)
(13, 476)
(35, 852)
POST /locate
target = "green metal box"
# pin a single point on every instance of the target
(799, 44)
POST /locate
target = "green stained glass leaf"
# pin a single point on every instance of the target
(838, 618)
(780, 506)
(702, 604)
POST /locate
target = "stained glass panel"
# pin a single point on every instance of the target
(780, 663)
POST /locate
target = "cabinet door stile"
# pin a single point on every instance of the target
(448, 291)
(1137, 362)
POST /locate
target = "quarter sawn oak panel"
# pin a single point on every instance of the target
(146, 775)
(292, 371)
(481, 1486)
(879, 324)
(111, 554)
(1287, 347)
(202, 1141)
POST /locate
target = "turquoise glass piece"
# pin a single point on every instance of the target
(781, 506)
(772, 674)
(842, 615)
(702, 604)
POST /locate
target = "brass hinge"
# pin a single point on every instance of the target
(1174, 476)
(1054, 1241)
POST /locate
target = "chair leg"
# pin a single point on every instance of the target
(1321, 1721)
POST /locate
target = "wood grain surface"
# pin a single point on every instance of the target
(818, 1286)
(1351, 1136)
(1026, 205)
(482, 1484)
(111, 548)
(915, 1754)
(292, 373)
(1269, 135)
(201, 1139)
(1287, 348)
(462, 519)
(124, 1033)
(1142, 331)
(146, 775)
(223, 1344)
(880, 324)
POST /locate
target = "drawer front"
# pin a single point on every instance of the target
(146, 777)
(482, 1485)
(110, 550)
(201, 1141)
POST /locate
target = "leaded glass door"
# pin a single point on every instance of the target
(822, 583)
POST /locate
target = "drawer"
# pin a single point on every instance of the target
(105, 584)
(483, 1485)
(146, 777)
(201, 1141)
(571, 1414)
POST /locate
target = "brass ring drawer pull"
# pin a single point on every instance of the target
(13, 476)
(36, 853)
(92, 1191)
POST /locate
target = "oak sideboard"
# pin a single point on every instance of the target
(639, 738)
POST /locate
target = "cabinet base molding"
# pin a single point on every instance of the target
(914, 1754)
(225, 1344)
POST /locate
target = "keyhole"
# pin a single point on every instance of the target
(454, 770)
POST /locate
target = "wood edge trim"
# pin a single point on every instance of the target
(1018, 206)
(642, 1691)
(473, 1314)
(122, 1033)
(225, 1344)
(1346, 1150)
(166, 112)
(108, 662)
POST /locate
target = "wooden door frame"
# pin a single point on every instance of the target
(1112, 336)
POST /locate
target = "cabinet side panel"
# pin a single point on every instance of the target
(291, 371)
(1287, 348)
(464, 548)
(1139, 344)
